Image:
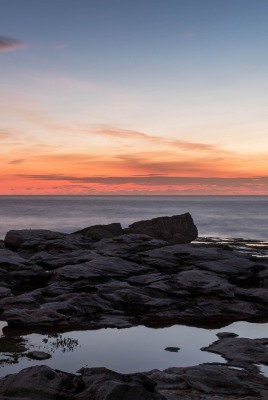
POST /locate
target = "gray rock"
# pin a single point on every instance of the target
(172, 349)
(210, 382)
(125, 280)
(226, 334)
(99, 266)
(175, 229)
(28, 242)
(44, 383)
(38, 355)
(16, 238)
(241, 351)
(128, 245)
(98, 232)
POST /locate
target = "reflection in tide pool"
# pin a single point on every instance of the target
(130, 350)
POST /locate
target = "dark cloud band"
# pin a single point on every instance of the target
(155, 180)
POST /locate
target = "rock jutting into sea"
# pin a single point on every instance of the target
(148, 274)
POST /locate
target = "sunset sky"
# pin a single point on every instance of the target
(134, 97)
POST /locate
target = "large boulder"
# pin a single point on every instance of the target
(175, 229)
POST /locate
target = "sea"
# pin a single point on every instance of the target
(137, 348)
(215, 216)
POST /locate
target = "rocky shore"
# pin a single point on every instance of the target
(148, 274)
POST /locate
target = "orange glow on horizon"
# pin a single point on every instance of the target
(118, 161)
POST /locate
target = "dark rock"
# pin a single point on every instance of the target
(130, 279)
(70, 280)
(44, 383)
(40, 383)
(208, 382)
(175, 229)
(172, 349)
(16, 238)
(38, 355)
(28, 242)
(241, 352)
(226, 334)
(98, 232)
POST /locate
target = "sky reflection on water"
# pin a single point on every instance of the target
(133, 349)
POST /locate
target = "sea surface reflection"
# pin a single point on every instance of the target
(127, 350)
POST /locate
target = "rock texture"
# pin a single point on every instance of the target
(103, 277)
(206, 381)
(49, 278)
(176, 229)
(98, 232)
(44, 383)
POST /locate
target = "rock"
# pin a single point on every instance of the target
(4, 292)
(28, 242)
(241, 352)
(43, 383)
(103, 384)
(69, 280)
(175, 229)
(98, 232)
(198, 281)
(128, 245)
(16, 238)
(172, 349)
(100, 266)
(38, 355)
(226, 334)
(49, 279)
(208, 382)
(18, 274)
(40, 383)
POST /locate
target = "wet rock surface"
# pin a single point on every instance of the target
(50, 279)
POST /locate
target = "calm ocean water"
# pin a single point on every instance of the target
(221, 216)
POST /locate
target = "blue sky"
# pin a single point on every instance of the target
(192, 71)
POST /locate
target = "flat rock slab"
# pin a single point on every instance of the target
(241, 352)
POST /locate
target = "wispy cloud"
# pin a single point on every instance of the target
(15, 162)
(9, 44)
(153, 180)
(5, 134)
(137, 135)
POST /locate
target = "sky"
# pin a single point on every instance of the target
(161, 97)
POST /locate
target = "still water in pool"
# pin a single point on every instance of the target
(125, 350)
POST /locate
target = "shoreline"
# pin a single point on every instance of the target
(104, 276)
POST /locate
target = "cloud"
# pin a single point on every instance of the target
(9, 44)
(153, 180)
(158, 140)
(172, 163)
(4, 134)
(14, 162)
